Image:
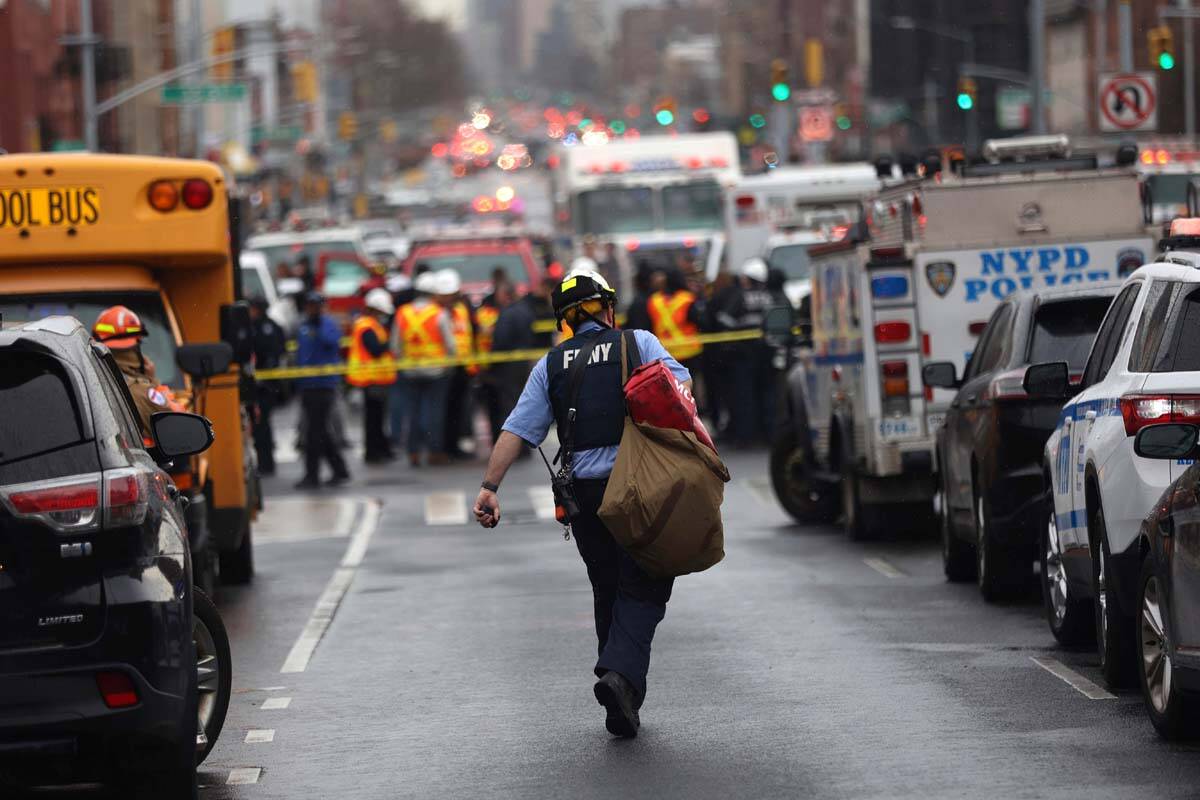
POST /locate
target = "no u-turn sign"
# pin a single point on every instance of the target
(1128, 101)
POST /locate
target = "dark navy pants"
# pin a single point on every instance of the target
(629, 604)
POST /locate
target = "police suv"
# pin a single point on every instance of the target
(916, 281)
(1144, 368)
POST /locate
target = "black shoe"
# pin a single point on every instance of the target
(308, 483)
(338, 480)
(618, 696)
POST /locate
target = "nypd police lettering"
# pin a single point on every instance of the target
(1002, 272)
(600, 353)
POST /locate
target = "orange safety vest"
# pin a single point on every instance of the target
(486, 318)
(460, 323)
(669, 319)
(365, 369)
(420, 332)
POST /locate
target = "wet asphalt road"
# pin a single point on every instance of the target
(458, 664)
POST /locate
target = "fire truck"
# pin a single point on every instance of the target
(915, 281)
(657, 198)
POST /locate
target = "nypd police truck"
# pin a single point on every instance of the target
(916, 281)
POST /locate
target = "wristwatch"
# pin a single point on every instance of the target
(491, 487)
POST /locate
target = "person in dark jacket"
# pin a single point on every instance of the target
(318, 343)
(269, 347)
(637, 316)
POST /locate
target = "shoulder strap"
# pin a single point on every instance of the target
(574, 383)
(631, 355)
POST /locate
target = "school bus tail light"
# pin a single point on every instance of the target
(163, 196)
(197, 194)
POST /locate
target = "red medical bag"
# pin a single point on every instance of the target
(653, 395)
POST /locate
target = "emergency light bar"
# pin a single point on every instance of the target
(1023, 148)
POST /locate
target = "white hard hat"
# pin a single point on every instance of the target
(380, 300)
(398, 282)
(584, 264)
(426, 283)
(448, 282)
(755, 269)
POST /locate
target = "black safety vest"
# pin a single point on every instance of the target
(600, 406)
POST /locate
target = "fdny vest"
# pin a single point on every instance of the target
(600, 406)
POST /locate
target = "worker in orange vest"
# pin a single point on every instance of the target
(449, 295)
(490, 379)
(424, 335)
(372, 368)
(675, 314)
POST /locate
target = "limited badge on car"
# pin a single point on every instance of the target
(63, 205)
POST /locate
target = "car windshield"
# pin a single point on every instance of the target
(277, 253)
(343, 277)
(616, 210)
(252, 285)
(685, 259)
(793, 260)
(696, 205)
(37, 405)
(478, 267)
(1064, 330)
(1168, 189)
(158, 345)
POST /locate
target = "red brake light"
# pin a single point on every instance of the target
(976, 328)
(1007, 386)
(197, 194)
(117, 689)
(895, 369)
(745, 201)
(1138, 411)
(895, 378)
(126, 497)
(65, 504)
(892, 332)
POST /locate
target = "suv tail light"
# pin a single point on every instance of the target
(1007, 386)
(1140, 410)
(117, 689)
(895, 387)
(115, 498)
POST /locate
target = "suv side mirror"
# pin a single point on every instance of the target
(237, 330)
(204, 360)
(778, 323)
(1049, 380)
(940, 375)
(1169, 441)
(178, 434)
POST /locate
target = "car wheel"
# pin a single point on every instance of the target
(806, 500)
(958, 560)
(994, 566)
(1070, 618)
(1165, 703)
(1114, 634)
(214, 673)
(237, 567)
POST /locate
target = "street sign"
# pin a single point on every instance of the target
(189, 95)
(66, 145)
(1128, 101)
(1012, 108)
(816, 124)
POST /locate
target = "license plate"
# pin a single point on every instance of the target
(893, 428)
(61, 206)
(933, 422)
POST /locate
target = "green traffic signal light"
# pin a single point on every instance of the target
(965, 101)
(843, 123)
(1166, 61)
(757, 121)
(781, 91)
(664, 116)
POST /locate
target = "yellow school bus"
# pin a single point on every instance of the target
(80, 233)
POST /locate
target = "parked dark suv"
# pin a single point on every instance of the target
(112, 667)
(990, 447)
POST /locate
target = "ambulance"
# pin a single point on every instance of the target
(916, 281)
(657, 198)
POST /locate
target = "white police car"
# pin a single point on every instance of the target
(1144, 368)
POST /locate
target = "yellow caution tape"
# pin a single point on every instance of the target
(477, 359)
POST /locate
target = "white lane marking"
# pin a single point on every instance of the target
(276, 703)
(446, 508)
(884, 567)
(243, 776)
(542, 498)
(1073, 679)
(327, 604)
(362, 536)
(347, 508)
(260, 736)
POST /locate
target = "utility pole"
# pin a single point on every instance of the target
(196, 50)
(1100, 46)
(1189, 72)
(782, 111)
(87, 41)
(1125, 31)
(1037, 64)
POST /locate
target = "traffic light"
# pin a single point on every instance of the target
(304, 81)
(347, 126)
(968, 90)
(664, 111)
(781, 90)
(1162, 47)
(224, 42)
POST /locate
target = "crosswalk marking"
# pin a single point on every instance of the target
(243, 776)
(446, 508)
(884, 567)
(542, 500)
(260, 736)
(276, 703)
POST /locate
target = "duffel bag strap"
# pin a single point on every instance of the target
(631, 355)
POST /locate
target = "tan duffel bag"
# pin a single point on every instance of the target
(663, 501)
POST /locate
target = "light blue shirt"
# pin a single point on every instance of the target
(533, 415)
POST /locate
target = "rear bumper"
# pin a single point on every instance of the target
(55, 724)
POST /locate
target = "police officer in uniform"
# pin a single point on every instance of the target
(628, 604)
